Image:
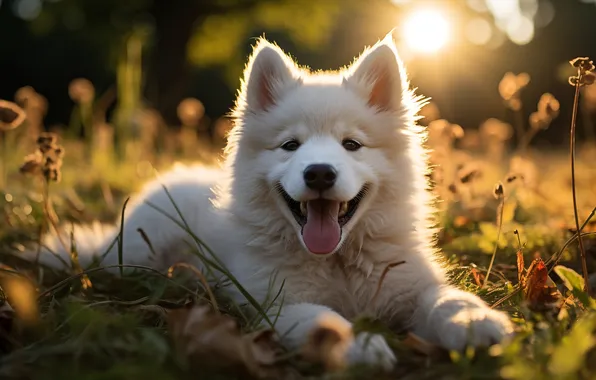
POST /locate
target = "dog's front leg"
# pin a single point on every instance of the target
(455, 319)
(297, 322)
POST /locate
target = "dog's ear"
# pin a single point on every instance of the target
(268, 76)
(378, 76)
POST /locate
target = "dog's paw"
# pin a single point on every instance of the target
(476, 327)
(371, 349)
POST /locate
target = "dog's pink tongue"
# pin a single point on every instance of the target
(322, 232)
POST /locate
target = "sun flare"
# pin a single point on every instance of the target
(426, 31)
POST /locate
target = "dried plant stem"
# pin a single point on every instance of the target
(47, 220)
(49, 209)
(573, 190)
(500, 209)
(51, 220)
(74, 258)
(44, 220)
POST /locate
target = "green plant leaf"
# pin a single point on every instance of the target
(575, 283)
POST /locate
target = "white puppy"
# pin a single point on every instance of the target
(323, 183)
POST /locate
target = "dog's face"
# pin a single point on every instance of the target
(321, 145)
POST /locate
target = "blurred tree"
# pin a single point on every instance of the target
(187, 32)
(212, 32)
(48, 43)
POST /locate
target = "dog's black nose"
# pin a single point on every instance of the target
(320, 176)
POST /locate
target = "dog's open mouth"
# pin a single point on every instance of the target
(322, 219)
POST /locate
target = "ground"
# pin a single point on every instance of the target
(96, 326)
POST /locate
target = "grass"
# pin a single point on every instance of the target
(89, 324)
(80, 333)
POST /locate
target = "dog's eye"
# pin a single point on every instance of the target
(351, 145)
(290, 145)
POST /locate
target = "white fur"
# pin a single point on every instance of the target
(246, 222)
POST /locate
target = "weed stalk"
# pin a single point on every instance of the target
(499, 194)
(584, 77)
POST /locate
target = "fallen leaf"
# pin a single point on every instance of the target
(328, 343)
(210, 339)
(538, 288)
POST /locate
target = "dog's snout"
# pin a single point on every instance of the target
(320, 176)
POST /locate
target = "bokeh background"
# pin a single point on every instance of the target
(162, 51)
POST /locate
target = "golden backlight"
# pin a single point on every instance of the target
(426, 31)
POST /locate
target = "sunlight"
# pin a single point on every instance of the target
(426, 31)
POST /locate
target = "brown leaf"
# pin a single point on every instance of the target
(539, 289)
(520, 267)
(328, 342)
(210, 339)
(478, 277)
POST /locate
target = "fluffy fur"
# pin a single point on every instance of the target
(239, 213)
